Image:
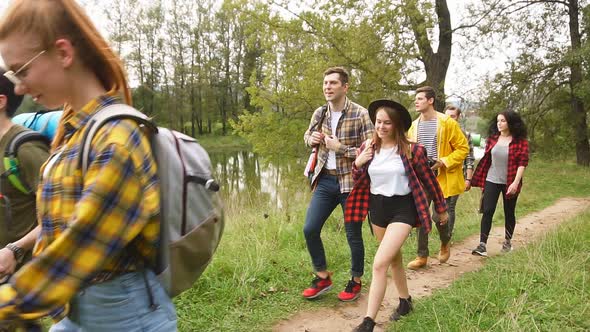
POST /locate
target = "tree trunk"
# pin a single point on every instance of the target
(194, 44)
(200, 109)
(435, 64)
(578, 112)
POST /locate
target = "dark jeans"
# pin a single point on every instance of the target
(324, 200)
(451, 204)
(444, 231)
(490, 199)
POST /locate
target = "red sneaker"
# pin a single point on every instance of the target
(318, 287)
(351, 292)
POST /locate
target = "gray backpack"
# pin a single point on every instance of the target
(191, 216)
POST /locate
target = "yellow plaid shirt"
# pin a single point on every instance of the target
(93, 227)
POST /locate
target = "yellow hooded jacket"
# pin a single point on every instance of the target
(452, 147)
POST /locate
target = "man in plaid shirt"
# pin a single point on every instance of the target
(337, 131)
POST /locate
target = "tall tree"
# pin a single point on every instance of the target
(383, 46)
(576, 76)
(554, 53)
(436, 63)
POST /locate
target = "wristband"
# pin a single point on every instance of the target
(19, 253)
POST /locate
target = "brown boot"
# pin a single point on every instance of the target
(417, 263)
(444, 253)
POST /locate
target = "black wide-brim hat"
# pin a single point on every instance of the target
(404, 114)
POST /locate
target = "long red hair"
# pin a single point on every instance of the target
(49, 20)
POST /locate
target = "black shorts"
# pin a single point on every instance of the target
(385, 210)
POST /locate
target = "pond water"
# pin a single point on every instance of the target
(246, 177)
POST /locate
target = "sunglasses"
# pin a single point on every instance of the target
(14, 76)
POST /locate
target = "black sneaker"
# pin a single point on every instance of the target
(405, 307)
(506, 246)
(480, 250)
(367, 325)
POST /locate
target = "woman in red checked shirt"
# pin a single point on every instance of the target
(500, 171)
(392, 179)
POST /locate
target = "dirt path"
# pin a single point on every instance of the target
(345, 316)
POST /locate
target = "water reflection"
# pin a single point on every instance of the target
(243, 175)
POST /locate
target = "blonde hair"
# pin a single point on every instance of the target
(50, 20)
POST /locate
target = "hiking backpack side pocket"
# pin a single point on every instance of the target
(192, 215)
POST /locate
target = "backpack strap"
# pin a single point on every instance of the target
(10, 160)
(101, 117)
(318, 125)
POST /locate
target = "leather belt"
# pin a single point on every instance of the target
(332, 172)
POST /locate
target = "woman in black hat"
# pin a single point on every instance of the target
(392, 181)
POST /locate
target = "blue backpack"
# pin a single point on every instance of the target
(41, 127)
(44, 122)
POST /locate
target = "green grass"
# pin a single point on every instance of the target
(542, 287)
(262, 264)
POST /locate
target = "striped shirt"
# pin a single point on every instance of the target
(94, 227)
(427, 136)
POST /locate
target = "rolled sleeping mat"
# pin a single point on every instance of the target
(44, 122)
(475, 139)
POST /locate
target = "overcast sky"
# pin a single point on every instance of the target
(465, 73)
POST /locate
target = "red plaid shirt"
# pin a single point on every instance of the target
(518, 155)
(422, 181)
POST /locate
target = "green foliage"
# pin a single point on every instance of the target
(370, 40)
(206, 63)
(540, 81)
(214, 144)
(274, 134)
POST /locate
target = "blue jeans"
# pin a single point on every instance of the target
(121, 304)
(325, 199)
